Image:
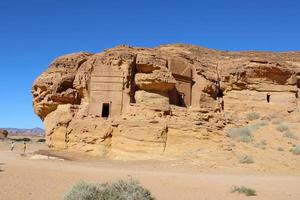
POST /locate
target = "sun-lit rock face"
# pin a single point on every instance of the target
(151, 102)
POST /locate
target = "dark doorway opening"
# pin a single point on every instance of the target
(268, 97)
(181, 101)
(105, 110)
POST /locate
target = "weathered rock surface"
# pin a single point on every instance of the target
(148, 103)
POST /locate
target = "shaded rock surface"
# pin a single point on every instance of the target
(131, 103)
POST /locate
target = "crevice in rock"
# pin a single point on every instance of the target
(67, 134)
(131, 75)
(81, 62)
(108, 135)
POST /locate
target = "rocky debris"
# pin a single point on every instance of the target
(3, 133)
(134, 103)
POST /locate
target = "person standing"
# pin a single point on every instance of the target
(12, 146)
(24, 147)
(219, 95)
(268, 97)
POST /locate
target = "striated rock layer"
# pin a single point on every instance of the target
(134, 103)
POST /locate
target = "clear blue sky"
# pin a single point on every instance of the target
(34, 32)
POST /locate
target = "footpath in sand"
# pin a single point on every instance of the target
(23, 178)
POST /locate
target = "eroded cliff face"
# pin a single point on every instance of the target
(160, 102)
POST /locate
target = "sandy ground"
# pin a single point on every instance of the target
(24, 178)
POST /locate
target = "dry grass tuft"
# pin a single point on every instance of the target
(244, 190)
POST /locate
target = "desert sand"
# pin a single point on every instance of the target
(30, 177)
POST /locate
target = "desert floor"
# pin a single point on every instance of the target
(22, 177)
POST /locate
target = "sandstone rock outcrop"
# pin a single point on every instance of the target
(127, 102)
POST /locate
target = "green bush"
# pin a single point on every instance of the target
(245, 159)
(83, 191)
(41, 140)
(26, 139)
(282, 128)
(121, 190)
(21, 139)
(241, 134)
(253, 116)
(290, 134)
(244, 190)
(295, 150)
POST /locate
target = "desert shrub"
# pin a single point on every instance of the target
(276, 121)
(282, 128)
(254, 126)
(26, 139)
(245, 159)
(263, 142)
(21, 139)
(295, 150)
(280, 149)
(258, 125)
(263, 123)
(121, 190)
(244, 190)
(266, 118)
(290, 134)
(261, 145)
(253, 116)
(41, 140)
(242, 134)
(83, 191)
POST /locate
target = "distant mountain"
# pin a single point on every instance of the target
(18, 131)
